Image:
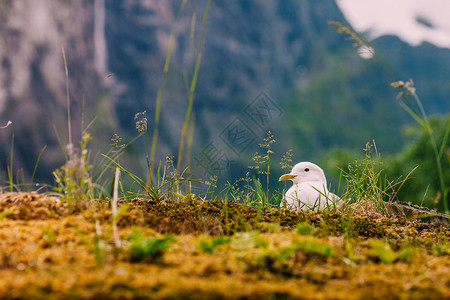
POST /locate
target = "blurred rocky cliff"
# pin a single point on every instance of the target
(32, 76)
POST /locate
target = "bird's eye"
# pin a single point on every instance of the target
(306, 169)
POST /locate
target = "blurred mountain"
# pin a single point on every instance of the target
(265, 65)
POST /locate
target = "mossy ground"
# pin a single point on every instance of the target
(49, 250)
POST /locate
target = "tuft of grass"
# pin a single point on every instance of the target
(150, 250)
(262, 166)
(99, 250)
(7, 212)
(368, 187)
(278, 260)
(73, 179)
(316, 248)
(382, 251)
(208, 245)
(441, 249)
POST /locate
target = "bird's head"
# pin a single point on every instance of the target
(305, 172)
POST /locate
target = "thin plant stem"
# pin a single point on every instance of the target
(163, 85)
(189, 146)
(36, 165)
(69, 126)
(10, 166)
(191, 48)
(192, 88)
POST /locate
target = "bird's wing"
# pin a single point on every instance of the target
(293, 196)
(310, 195)
(302, 196)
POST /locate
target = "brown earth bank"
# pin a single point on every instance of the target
(194, 249)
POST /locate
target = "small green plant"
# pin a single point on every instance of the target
(316, 248)
(99, 250)
(48, 236)
(97, 246)
(305, 229)
(365, 181)
(262, 166)
(165, 181)
(150, 250)
(208, 245)
(441, 249)
(382, 251)
(269, 258)
(73, 180)
(350, 253)
(7, 212)
(212, 185)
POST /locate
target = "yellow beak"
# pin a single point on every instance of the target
(286, 177)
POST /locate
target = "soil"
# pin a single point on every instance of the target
(195, 249)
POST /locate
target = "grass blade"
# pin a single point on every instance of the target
(192, 88)
(163, 86)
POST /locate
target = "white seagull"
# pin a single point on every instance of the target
(309, 191)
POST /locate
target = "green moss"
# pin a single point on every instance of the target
(55, 253)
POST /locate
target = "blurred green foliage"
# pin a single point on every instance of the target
(423, 185)
(419, 152)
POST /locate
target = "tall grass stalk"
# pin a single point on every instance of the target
(189, 151)
(69, 126)
(10, 166)
(191, 37)
(163, 86)
(36, 165)
(192, 86)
